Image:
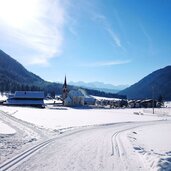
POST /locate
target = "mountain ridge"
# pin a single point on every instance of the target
(6, 66)
(154, 85)
(99, 86)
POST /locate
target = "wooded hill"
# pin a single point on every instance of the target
(156, 84)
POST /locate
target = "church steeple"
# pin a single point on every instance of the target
(64, 90)
(65, 83)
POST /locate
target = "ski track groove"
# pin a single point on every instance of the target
(13, 162)
(118, 149)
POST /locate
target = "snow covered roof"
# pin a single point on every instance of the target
(105, 98)
(85, 94)
(29, 94)
(80, 92)
(75, 93)
(68, 99)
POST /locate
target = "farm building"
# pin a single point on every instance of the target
(26, 98)
(148, 103)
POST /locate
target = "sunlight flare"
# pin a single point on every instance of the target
(18, 13)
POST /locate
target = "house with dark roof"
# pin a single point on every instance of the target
(26, 98)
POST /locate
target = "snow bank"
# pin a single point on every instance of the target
(3, 97)
(167, 104)
(5, 129)
(153, 144)
(52, 101)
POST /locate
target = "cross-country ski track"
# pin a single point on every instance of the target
(100, 147)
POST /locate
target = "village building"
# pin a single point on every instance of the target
(149, 103)
(76, 97)
(134, 103)
(88, 100)
(26, 98)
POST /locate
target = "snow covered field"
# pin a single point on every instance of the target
(130, 133)
(159, 111)
(63, 117)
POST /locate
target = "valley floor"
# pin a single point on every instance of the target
(83, 139)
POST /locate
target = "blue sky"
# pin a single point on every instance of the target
(111, 41)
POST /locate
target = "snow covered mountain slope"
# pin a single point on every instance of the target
(156, 84)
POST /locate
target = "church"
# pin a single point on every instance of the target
(75, 97)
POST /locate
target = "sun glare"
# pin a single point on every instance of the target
(18, 13)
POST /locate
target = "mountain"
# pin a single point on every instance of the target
(155, 85)
(100, 86)
(13, 76)
(13, 71)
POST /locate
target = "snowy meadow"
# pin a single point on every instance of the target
(151, 142)
(65, 117)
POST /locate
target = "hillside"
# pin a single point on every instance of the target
(155, 84)
(13, 76)
(13, 71)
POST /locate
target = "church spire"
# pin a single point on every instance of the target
(65, 90)
(65, 83)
